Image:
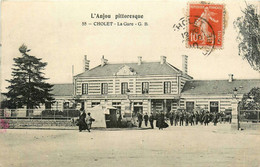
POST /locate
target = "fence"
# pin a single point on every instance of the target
(38, 114)
(249, 116)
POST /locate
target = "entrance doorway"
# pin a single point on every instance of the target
(190, 106)
(214, 106)
(111, 119)
(137, 109)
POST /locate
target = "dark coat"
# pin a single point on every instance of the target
(140, 117)
(151, 118)
(161, 123)
(82, 123)
(146, 118)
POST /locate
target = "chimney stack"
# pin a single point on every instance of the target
(103, 61)
(163, 59)
(230, 77)
(86, 63)
(185, 64)
(139, 60)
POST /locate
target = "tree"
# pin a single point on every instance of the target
(27, 86)
(249, 36)
(251, 100)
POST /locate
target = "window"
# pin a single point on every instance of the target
(124, 87)
(117, 105)
(93, 104)
(214, 107)
(138, 103)
(84, 89)
(167, 87)
(145, 87)
(104, 88)
(189, 106)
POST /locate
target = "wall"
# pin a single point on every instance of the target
(204, 101)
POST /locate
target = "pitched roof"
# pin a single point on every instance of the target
(146, 68)
(219, 86)
(62, 89)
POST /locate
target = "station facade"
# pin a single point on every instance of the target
(147, 87)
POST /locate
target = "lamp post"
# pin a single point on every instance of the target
(127, 93)
(235, 90)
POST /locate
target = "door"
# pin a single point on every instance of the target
(111, 120)
(214, 106)
(190, 106)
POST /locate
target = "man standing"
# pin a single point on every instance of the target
(186, 117)
(171, 117)
(191, 118)
(119, 119)
(215, 118)
(89, 121)
(206, 119)
(176, 118)
(140, 119)
(146, 119)
(151, 118)
(181, 118)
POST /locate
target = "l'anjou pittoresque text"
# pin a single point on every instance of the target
(117, 20)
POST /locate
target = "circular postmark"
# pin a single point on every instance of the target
(200, 34)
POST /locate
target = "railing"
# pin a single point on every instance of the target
(38, 114)
(249, 116)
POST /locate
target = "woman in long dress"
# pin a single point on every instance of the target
(82, 123)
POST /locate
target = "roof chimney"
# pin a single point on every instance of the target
(185, 64)
(103, 61)
(139, 60)
(86, 63)
(230, 77)
(163, 59)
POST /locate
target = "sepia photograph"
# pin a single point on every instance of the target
(159, 83)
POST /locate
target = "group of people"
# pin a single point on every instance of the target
(159, 118)
(182, 117)
(85, 121)
(194, 118)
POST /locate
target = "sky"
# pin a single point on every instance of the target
(53, 31)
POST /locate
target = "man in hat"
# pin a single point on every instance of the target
(146, 119)
(181, 117)
(140, 119)
(171, 117)
(151, 119)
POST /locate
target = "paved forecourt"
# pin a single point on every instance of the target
(175, 146)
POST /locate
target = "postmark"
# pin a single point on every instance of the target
(205, 25)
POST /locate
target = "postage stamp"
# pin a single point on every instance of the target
(205, 25)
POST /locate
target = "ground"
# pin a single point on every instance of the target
(175, 146)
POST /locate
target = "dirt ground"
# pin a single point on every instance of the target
(175, 147)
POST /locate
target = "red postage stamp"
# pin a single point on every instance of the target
(206, 25)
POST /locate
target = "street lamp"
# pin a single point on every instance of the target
(127, 93)
(235, 90)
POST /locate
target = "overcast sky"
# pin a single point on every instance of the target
(54, 32)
